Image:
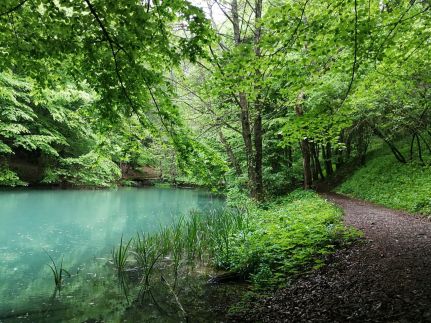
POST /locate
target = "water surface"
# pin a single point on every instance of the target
(82, 226)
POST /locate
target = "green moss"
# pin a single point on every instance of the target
(386, 181)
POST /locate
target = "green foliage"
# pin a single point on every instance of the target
(90, 169)
(20, 125)
(295, 232)
(328, 71)
(122, 66)
(385, 181)
(9, 177)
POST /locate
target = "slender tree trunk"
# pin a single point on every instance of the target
(339, 159)
(425, 142)
(315, 156)
(398, 155)
(245, 113)
(327, 158)
(258, 158)
(252, 137)
(306, 164)
(289, 156)
(314, 173)
(362, 144)
(230, 155)
(248, 143)
(412, 145)
(419, 149)
(306, 159)
(235, 22)
(258, 130)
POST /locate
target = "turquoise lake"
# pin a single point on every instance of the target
(82, 227)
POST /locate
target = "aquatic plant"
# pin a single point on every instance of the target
(219, 227)
(164, 240)
(57, 272)
(201, 237)
(120, 255)
(193, 236)
(147, 252)
(177, 245)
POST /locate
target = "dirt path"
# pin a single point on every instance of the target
(387, 278)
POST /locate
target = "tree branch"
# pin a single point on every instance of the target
(395, 25)
(114, 53)
(355, 55)
(19, 5)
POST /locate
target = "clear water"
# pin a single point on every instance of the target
(82, 226)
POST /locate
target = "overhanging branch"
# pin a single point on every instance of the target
(19, 5)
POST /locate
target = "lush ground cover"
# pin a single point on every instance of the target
(293, 233)
(265, 245)
(386, 181)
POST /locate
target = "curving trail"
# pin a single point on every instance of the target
(387, 278)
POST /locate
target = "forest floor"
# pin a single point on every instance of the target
(386, 277)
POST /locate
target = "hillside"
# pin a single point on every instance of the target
(386, 181)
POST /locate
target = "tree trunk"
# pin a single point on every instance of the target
(258, 131)
(230, 155)
(398, 155)
(289, 156)
(247, 137)
(306, 160)
(306, 164)
(314, 173)
(245, 114)
(339, 161)
(258, 158)
(362, 144)
(316, 161)
(419, 149)
(235, 22)
(425, 142)
(327, 158)
(252, 137)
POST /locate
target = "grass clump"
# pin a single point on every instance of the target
(386, 181)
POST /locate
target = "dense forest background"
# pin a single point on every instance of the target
(257, 97)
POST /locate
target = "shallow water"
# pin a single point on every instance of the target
(82, 226)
